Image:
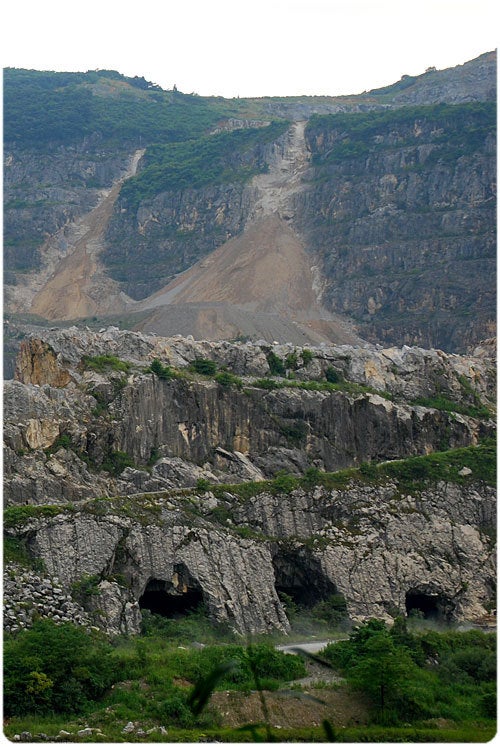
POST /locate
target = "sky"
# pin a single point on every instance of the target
(249, 48)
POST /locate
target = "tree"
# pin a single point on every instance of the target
(382, 669)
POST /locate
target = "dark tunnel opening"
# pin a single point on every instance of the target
(427, 606)
(300, 578)
(172, 599)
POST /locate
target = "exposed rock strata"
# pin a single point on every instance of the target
(59, 438)
(376, 543)
(373, 544)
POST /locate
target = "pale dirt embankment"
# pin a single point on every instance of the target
(260, 284)
(264, 275)
(77, 286)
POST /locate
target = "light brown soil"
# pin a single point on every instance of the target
(77, 286)
(290, 709)
(262, 275)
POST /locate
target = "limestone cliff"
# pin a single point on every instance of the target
(67, 424)
(137, 482)
(380, 207)
(385, 548)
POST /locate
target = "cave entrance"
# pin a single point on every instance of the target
(428, 606)
(174, 598)
(300, 578)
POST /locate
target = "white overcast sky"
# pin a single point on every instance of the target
(251, 47)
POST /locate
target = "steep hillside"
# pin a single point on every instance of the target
(405, 233)
(381, 216)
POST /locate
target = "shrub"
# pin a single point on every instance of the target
(276, 365)
(116, 462)
(57, 668)
(203, 366)
(163, 372)
(226, 379)
(284, 483)
(333, 376)
(102, 363)
(202, 485)
(292, 361)
(306, 356)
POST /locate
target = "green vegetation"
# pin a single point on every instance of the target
(227, 379)
(307, 357)
(17, 515)
(55, 669)
(163, 372)
(333, 376)
(440, 402)
(45, 107)
(427, 686)
(61, 669)
(412, 474)
(203, 366)
(277, 366)
(228, 157)
(339, 385)
(116, 461)
(413, 677)
(457, 130)
(105, 363)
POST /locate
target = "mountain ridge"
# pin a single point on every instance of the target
(149, 240)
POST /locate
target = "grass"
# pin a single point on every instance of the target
(105, 363)
(159, 677)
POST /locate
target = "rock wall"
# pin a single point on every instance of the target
(118, 482)
(375, 545)
(405, 225)
(45, 191)
(65, 425)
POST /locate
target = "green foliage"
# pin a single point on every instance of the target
(104, 363)
(163, 372)
(306, 356)
(295, 431)
(276, 365)
(19, 515)
(62, 442)
(202, 485)
(333, 376)
(116, 461)
(227, 379)
(292, 361)
(332, 610)
(195, 625)
(284, 483)
(227, 157)
(457, 130)
(85, 587)
(445, 465)
(266, 384)
(16, 551)
(411, 676)
(261, 660)
(45, 107)
(55, 668)
(203, 366)
(440, 402)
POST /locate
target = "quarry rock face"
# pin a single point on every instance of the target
(390, 196)
(123, 486)
(385, 551)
